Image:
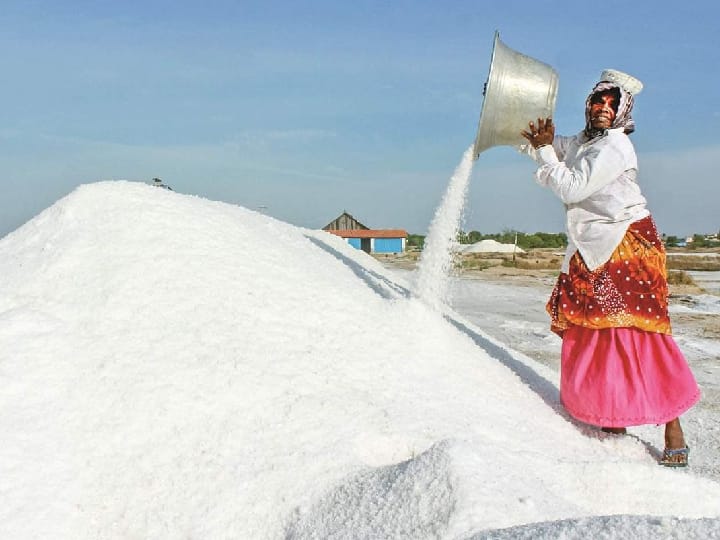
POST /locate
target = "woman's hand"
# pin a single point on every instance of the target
(542, 135)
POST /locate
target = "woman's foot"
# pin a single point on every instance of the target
(676, 450)
(615, 430)
(675, 458)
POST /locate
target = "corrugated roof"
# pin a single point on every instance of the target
(370, 233)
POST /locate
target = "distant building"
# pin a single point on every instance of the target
(369, 240)
(345, 222)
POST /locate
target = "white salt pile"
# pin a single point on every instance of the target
(174, 368)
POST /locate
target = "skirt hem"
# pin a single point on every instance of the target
(605, 421)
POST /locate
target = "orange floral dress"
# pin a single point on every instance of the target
(630, 290)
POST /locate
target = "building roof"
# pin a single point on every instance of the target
(344, 221)
(370, 233)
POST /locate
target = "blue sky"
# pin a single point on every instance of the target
(306, 109)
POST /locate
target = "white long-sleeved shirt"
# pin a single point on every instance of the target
(597, 182)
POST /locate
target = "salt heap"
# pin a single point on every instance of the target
(174, 367)
(489, 245)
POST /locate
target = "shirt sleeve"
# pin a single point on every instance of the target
(600, 164)
(559, 145)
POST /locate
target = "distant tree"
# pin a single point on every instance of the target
(508, 236)
(530, 241)
(474, 236)
(671, 241)
(416, 240)
(552, 240)
(699, 241)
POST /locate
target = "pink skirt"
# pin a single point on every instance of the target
(619, 377)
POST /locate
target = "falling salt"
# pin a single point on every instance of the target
(437, 256)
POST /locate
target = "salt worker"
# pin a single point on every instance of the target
(620, 365)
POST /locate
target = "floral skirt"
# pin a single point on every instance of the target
(620, 365)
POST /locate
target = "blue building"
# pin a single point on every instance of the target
(369, 240)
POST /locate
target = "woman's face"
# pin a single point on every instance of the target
(602, 110)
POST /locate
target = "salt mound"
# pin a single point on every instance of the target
(609, 527)
(174, 364)
(174, 367)
(491, 246)
(421, 491)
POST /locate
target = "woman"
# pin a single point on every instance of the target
(620, 365)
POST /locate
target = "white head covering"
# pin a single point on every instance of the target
(623, 80)
(627, 87)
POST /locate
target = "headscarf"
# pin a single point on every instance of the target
(623, 116)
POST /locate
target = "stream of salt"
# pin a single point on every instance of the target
(436, 260)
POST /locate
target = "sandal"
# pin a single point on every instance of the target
(670, 457)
